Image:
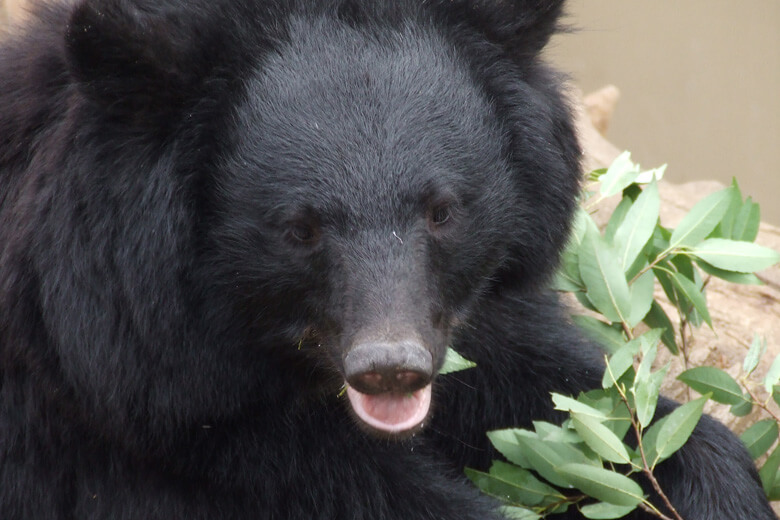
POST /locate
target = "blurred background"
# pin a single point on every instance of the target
(699, 83)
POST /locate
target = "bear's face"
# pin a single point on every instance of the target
(313, 193)
(364, 207)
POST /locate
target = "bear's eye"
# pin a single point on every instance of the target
(305, 233)
(440, 215)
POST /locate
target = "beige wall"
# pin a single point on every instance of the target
(700, 84)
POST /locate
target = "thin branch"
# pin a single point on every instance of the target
(653, 511)
(758, 402)
(660, 258)
(646, 469)
(573, 500)
(685, 347)
(627, 330)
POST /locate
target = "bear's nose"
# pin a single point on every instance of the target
(384, 366)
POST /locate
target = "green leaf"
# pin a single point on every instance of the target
(660, 242)
(641, 262)
(760, 437)
(584, 301)
(649, 350)
(612, 405)
(600, 438)
(582, 220)
(650, 440)
(567, 404)
(650, 339)
(726, 225)
(663, 273)
(605, 510)
(729, 276)
(620, 174)
(688, 289)
(658, 319)
(552, 432)
(643, 386)
(454, 362)
(567, 278)
(754, 355)
(733, 255)
(638, 226)
(602, 484)
(702, 219)
(505, 441)
(646, 395)
(619, 363)
(710, 379)
(677, 427)
(747, 222)
(605, 283)
(514, 485)
(544, 456)
(769, 474)
(617, 217)
(641, 296)
(595, 175)
(561, 282)
(683, 265)
(605, 334)
(743, 408)
(772, 375)
(568, 275)
(647, 176)
(518, 513)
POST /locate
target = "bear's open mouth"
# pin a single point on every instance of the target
(391, 412)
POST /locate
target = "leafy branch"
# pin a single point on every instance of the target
(614, 274)
(646, 468)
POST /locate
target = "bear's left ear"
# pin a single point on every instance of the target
(138, 62)
(523, 27)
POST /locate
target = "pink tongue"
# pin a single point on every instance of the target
(389, 412)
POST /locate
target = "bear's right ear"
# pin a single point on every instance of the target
(138, 62)
(523, 27)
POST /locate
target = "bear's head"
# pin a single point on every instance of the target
(385, 176)
(343, 182)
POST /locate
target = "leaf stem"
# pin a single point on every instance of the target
(646, 469)
(650, 508)
(627, 330)
(660, 258)
(757, 401)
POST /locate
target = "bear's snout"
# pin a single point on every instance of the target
(389, 384)
(388, 366)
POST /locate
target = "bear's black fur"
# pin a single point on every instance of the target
(213, 212)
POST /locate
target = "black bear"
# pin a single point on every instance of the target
(215, 214)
